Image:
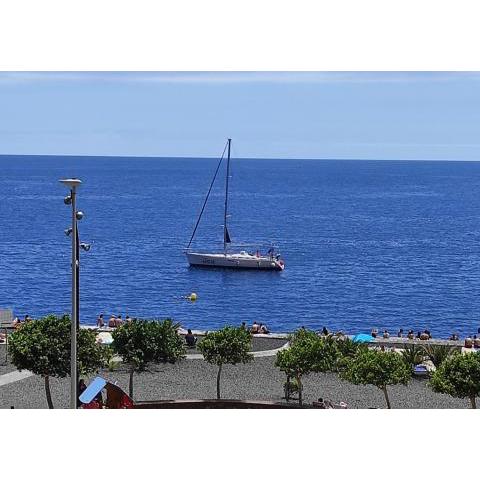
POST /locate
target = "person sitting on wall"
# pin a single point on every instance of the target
(118, 321)
(410, 335)
(190, 339)
(424, 336)
(263, 329)
(100, 322)
(400, 333)
(112, 322)
(476, 342)
(468, 342)
(386, 334)
(374, 332)
(255, 327)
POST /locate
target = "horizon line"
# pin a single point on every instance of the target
(154, 157)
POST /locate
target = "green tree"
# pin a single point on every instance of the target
(374, 367)
(142, 342)
(226, 346)
(347, 348)
(43, 347)
(438, 353)
(306, 354)
(458, 376)
(413, 355)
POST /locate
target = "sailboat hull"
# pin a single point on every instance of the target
(235, 261)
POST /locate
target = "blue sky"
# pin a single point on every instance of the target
(351, 115)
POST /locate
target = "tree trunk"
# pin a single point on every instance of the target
(130, 383)
(287, 390)
(473, 401)
(218, 381)
(384, 390)
(47, 391)
(300, 388)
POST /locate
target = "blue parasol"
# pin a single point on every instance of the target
(363, 338)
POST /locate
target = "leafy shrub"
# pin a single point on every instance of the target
(437, 354)
(43, 346)
(459, 376)
(226, 346)
(413, 355)
(378, 368)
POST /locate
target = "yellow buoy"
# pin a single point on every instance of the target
(192, 297)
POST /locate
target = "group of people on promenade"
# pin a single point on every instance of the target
(18, 322)
(113, 322)
(470, 340)
(473, 341)
(425, 335)
(256, 328)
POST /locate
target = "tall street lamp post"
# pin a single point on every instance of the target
(73, 184)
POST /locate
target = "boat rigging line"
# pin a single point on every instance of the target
(208, 194)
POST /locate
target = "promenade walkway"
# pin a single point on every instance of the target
(14, 377)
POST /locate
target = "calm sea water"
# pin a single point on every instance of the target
(366, 243)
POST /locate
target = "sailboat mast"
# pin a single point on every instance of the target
(225, 231)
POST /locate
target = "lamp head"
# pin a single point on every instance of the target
(71, 182)
(68, 231)
(79, 215)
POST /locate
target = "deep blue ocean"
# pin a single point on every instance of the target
(383, 244)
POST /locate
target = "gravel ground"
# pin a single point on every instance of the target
(4, 366)
(193, 379)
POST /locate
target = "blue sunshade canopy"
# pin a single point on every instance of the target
(363, 338)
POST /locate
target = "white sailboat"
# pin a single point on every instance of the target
(228, 259)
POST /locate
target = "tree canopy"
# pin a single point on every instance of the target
(141, 342)
(43, 347)
(378, 368)
(226, 346)
(307, 353)
(459, 376)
